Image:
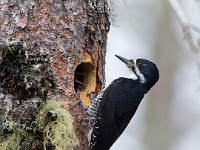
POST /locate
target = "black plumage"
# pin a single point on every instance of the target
(118, 103)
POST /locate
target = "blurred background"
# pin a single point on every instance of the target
(169, 116)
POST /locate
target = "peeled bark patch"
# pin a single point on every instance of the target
(85, 78)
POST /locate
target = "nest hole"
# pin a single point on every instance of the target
(83, 75)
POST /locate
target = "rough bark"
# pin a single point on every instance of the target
(50, 48)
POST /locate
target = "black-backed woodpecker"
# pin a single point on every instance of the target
(112, 110)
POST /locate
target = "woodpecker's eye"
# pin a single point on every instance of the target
(139, 64)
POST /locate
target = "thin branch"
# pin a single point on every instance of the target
(185, 25)
(132, 17)
(195, 28)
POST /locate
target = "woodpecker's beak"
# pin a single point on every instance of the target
(124, 60)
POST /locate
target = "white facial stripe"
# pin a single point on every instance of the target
(133, 76)
(134, 61)
(138, 73)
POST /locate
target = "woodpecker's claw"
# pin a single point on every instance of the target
(92, 96)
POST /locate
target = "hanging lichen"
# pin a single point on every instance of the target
(57, 126)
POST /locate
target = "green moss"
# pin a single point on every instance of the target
(57, 131)
(24, 75)
(11, 142)
(53, 121)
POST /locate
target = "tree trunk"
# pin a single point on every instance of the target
(49, 51)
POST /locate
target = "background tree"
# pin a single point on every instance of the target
(167, 33)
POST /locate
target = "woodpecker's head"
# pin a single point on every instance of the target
(144, 70)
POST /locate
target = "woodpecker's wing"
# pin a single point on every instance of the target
(128, 97)
(118, 105)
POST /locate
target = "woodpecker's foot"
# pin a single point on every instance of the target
(92, 96)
